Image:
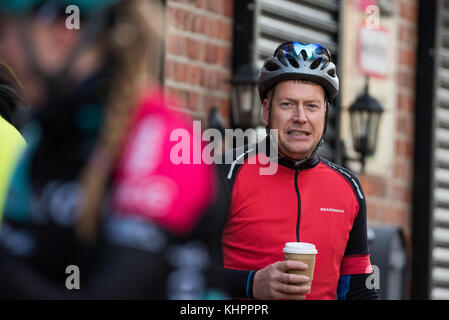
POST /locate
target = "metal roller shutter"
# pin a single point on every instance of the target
(305, 21)
(440, 229)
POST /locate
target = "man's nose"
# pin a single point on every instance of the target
(299, 114)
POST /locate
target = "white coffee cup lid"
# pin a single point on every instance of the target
(300, 248)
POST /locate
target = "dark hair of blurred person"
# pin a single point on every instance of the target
(96, 187)
(11, 97)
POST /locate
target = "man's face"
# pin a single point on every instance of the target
(298, 113)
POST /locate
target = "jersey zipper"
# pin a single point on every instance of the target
(298, 196)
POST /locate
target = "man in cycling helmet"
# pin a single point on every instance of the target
(308, 199)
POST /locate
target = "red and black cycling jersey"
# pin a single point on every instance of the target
(311, 201)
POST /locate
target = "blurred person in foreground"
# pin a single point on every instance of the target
(95, 193)
(11, 141)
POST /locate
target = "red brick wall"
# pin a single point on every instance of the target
(199, 53)
(389, 200)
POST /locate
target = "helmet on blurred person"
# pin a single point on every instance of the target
(25, 6)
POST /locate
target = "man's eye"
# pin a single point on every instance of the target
(286, 104)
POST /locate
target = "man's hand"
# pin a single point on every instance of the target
(274, 283)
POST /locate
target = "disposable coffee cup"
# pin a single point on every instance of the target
(304, 252)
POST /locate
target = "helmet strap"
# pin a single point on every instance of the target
(270, 107)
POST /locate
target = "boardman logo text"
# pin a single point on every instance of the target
(332, 210)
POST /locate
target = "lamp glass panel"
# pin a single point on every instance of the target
(373, 131)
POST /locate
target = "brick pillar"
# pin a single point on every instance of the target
(390, 200)
(402, 183)
(199, 53)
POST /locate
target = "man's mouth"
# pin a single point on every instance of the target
(298, 133)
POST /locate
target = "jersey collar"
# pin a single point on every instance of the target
(294, 164)
(306, 163)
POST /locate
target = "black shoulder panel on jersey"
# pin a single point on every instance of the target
(231, 161)
(358, 239)
(349, 176)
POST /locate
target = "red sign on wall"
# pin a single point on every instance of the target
(373, 51)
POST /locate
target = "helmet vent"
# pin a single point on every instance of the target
(293, 62)
(324, 65)
(315, 64)
(304, 55)
(331, 72)
(271, 66)
(282, 60)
